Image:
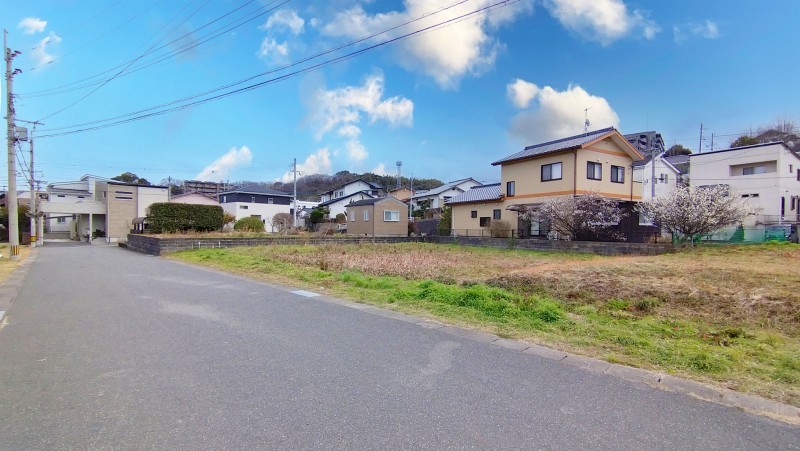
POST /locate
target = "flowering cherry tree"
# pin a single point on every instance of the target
(588, 217)
(693, 212)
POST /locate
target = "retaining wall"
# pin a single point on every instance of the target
(155, 245)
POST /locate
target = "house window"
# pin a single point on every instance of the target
(798, 175)
(510, 188)
(495, 214)
(594, 171)
(473, 214)
(391, 216)
(224, 198)
(551, 172)
(617, 174)
(750, 195)
(644, 220)
(446, 199)
(269, 200)
(253, 199)
(485, 221)
(352, 216)
(366, 215)
(243, 207)
(81, 197)
(61, 220)
(664, 178)
(751, 170)
(783, 205)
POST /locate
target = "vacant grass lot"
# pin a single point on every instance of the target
(725, 315)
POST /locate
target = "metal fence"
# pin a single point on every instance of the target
(741, 235)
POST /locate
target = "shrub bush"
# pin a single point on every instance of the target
(250, 224)
(171, 217)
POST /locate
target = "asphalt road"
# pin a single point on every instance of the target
(106, 348)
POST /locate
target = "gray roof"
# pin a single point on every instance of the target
(256, 189)
(441, 189)
(372, 185)
(571, 142)
(481, 193)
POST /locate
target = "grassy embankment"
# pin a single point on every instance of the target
(725, 315)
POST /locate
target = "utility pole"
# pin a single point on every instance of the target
(294, 173)
(700, 147)
(11, 197)
(712, 142)
(40, 219)
(169, 187)
(652, 173)
(33, 194)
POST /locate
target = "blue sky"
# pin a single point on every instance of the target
(446, 102)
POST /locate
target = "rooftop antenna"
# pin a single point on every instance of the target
(399, 165)
(586, 122)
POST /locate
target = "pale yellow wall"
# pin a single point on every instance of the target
(527, 176)
(462, 215)
(599, 153)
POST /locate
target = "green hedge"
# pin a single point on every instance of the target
(250, 224)
(169, 217)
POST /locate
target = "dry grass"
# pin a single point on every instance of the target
(6, 265)
(725, 315)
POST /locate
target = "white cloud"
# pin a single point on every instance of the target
(604, 21)
(706, 29)
(463, 47)
(285, 19)
(41, 54)
(32, 25)
(318, 162)
(221, 168)
(380, 170)
(521, 92)
(558, 114)
(342, 109)
(346, 105)
(273, 51)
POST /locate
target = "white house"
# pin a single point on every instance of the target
(336, 200)
(767, 175)
(194, 199)
(255, 201)
(657, 178)
(437, 197)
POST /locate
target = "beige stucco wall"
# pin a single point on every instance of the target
(121, 210)
(605, 186)
(527, 175)
(376, 226)
(149, 195)
(462, 219)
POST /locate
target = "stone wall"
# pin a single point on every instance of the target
(155, 245)
(589, 247)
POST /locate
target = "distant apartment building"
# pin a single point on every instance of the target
(207, 188)
(647, 142)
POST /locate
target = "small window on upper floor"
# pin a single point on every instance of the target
(510, 188)
(752, 170)
(617, 174)
(594, 171)
(269, 200)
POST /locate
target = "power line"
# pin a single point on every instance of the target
(232, 25)
(122, 70)
(130, 117)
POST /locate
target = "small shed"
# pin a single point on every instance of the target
(382, 216)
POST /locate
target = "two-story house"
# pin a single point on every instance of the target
(97, 209)
(255, 201)
(436, 198)
(384, 216)
(767, 175)
(336, 200)
(598, 162)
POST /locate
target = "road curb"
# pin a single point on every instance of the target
(753, 404)
(10, 288)
(750, 403)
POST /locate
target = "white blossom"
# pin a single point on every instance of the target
(692, 212)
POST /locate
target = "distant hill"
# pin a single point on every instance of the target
(309, 187)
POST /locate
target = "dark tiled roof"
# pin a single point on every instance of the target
(571, 142)
(481, 193)
(257, 189)
(372, 201)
